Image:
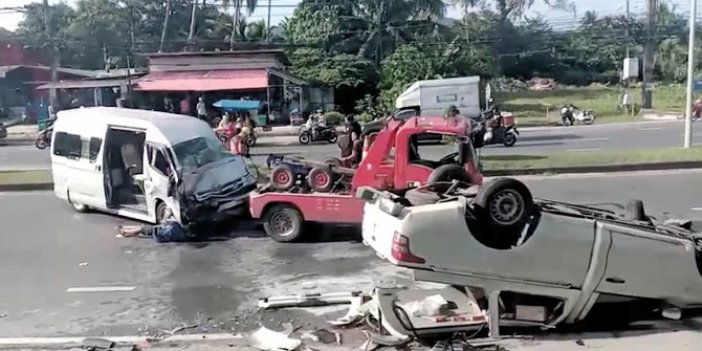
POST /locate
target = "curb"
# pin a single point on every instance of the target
(26, 187)
(659, 166)
(71, 342)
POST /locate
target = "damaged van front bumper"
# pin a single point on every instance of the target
(217, 205)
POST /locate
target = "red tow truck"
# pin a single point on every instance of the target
(391, 161)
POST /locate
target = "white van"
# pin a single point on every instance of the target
(138, 164)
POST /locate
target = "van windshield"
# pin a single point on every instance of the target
(198, 152)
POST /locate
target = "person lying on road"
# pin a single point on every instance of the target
(168, 231)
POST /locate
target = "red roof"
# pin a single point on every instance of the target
(238, 79)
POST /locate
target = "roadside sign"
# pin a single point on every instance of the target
(697, 85)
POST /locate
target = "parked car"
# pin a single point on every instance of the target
(562, 258)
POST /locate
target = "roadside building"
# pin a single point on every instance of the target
(251, 73)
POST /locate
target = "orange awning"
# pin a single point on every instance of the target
(213, 80)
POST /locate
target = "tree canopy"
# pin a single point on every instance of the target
(368, 49)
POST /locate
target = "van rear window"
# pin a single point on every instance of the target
(67, 145)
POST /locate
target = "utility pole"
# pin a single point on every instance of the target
(690, 75)
(54, 54)
(130, 57)
(626, 34)
(268, 24)
(649, 52)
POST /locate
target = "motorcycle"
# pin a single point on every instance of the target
(327, 133)
(44, 138)
(500, 133)
(571, 114)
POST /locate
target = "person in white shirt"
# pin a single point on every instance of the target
(201, 109)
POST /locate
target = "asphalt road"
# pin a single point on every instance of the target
(541, 141)
(49, 252)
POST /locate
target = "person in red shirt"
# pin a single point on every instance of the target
(185, 106)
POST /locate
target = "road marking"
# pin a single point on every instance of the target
(99, 289)
(583, 150)
(590, 139)
(126, 340)
(651, 128)
(697, 209)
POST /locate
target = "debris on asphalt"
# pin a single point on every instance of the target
(308, 300)
(389, 340)
(179, 329)
(368, 345)
(83, 264)
(580, 342)
(266, 339)
(673, 313)
(97, 343)
(357, 311)
(430, 306)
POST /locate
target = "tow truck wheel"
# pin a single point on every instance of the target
(505, 203)
(320, 179)
(283, 223)
(283, 177)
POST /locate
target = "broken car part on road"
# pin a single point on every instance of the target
(536, 262)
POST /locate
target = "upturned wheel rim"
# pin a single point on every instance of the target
(507, 207)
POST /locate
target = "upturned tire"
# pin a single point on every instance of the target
(447, 173)
(283, 223)
(506, 204)
(283, 177)
(320, 179)
(304, 138)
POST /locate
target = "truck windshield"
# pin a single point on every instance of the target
(195, 153)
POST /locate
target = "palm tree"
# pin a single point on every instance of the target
(387, 22)
(165, 26)
(238, 4)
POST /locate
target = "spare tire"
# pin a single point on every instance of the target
(505, 204)
(321, 179)
(447, 173)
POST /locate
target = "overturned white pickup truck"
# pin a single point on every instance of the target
(538, 262)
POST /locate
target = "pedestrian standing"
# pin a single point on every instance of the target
(185, 105)
(201, 109)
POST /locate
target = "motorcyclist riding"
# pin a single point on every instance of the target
(316, 123)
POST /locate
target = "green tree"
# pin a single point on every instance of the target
(236, 18)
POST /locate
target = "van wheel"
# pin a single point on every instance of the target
(77, 206)
(283, 223)
(161, 210)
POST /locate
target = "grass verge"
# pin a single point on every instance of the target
(589, 159)
(541, 108)
(25, 177)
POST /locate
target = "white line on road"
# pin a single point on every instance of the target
(590, 139)
(651, 128)
(99, 289)
(696, 208)
(583, 150)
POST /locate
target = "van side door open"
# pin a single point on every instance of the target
(159, 178)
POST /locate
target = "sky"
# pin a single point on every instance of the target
(283, 8)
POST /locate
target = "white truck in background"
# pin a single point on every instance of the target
(434, 97)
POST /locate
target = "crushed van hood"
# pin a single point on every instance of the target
(216, 190)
